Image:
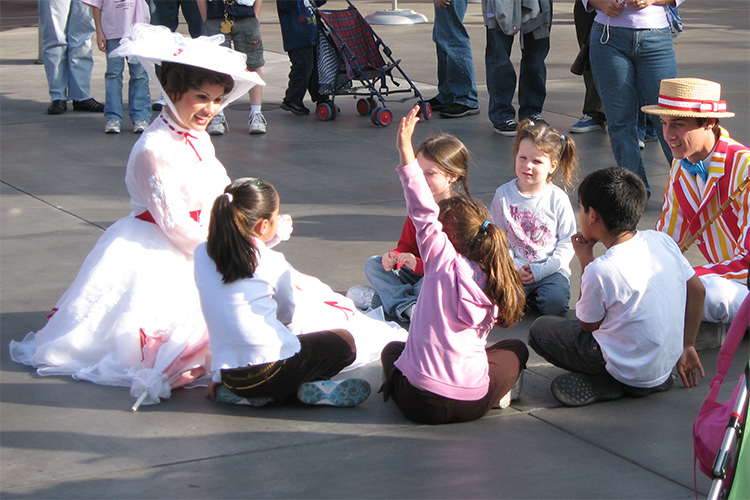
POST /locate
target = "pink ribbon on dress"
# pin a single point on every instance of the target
(343, 309)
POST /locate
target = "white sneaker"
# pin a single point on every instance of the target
(159, 103)
(345, 393)
(513, 393)
(139, 126)
(362, 296)
(112, 126)
(257, 123)
(218, 125)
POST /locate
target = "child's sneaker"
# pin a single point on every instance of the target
(710, 335)
(257, 123)
(224, 395)
(577, 389)
(344, 393)
(218, 125)
(139, 126)
(159, 103)
(362, 296)
(112, 126)
(513, 393)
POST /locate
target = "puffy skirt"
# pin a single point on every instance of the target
(133, 302)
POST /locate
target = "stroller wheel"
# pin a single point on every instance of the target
(364, 106)
(325, 112)
(383, 117)
(373, 116)
(425, 110)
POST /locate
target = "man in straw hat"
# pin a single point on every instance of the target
(706, 201)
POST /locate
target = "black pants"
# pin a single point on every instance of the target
(322, 355)
(506, 360)
(303, 75)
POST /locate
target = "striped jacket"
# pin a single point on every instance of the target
(726, 242)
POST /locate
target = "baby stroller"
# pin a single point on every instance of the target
(349, 51)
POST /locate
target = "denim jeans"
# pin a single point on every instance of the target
(563, 343)
(455, 66)
(139, 98)
(501, 76)
(628, 65)
(66, 28)
(549, 295)
(397, 290)
(166, 13)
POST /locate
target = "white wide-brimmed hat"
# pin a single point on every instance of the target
(689, 97)
(152, 45)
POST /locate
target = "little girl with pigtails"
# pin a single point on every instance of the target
(444, 372)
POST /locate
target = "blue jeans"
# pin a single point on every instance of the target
(397, 289)
(549, 295)
(66, 29)
(455, 66)
(139, 97)
(628, 67)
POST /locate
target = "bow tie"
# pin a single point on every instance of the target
(695, 169)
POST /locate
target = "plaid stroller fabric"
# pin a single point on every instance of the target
(350, 29)
(332, 74)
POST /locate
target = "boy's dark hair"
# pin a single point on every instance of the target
(178, 78)
(618, 196)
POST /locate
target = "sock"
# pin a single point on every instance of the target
(255, 108)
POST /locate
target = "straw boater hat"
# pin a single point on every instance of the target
(151, 45)
(689, 97)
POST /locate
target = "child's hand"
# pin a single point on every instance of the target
(527, 277)
(686, 366)
(405, 132)
(101, 41)
(406, 259)
(212, 389)
(389, 260)
(583, 248)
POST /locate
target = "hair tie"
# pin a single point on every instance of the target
(531, 123)
(484, 226)
(229, 197)
(564, 141)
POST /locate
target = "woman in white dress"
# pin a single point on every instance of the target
(132, 315)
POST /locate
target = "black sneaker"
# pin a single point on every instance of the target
(90, 104)
(297, 109)
(537, 118)
(57, 107)
(507, 128)
(457, 110)
(577, 389)
(437, 105)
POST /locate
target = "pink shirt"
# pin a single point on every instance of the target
(445, 350)
(119, 15)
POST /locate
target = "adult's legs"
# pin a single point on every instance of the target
(455, 63)
(192, 17)
(532, 77)
(80, 56)
(165, 13)
(501, 76)
(53, 20)
(614, 69)
(113, 83)
(592, 103)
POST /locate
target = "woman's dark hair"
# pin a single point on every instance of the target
(466, 223)
(231, 244)
(178, 78)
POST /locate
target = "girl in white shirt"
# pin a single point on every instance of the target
(251, 297)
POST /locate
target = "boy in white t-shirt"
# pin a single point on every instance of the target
(113, 19)
(640, 304)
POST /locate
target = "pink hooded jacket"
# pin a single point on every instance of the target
(445, 351)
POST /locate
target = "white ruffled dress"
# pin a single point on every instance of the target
(135, 291)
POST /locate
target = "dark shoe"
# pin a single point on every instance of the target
(577, 389)
(508, 128)
(457, 110)
(437, 105)
(536, 118)
(57, 107)
(90, 104)
(639, 392)
(297, 109)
